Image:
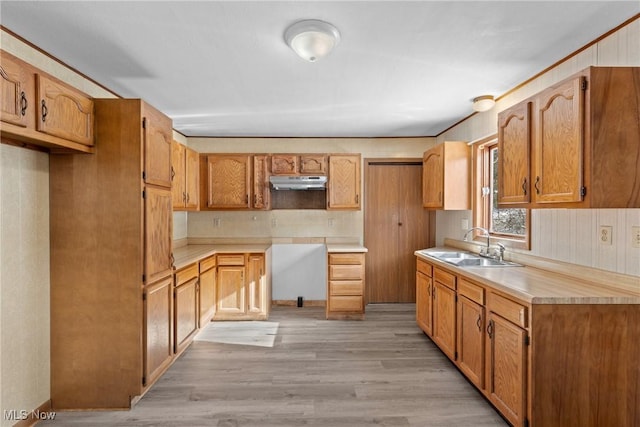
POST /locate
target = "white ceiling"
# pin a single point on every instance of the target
(402, 68)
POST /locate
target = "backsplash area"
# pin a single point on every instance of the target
(278, 223)
(569, 235)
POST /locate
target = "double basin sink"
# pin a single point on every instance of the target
(467, 259)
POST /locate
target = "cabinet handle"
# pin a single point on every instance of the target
(440, 196)
(23, 104)
(536, 185)
(45, 111)
(429, 290)
(434, 292)
(255, 199)
(357, 198)
(246, 199)
(173, 260)
(184, 197)
(524, 185)
(187, 197)
(173, 173)
(490, 329)
(478, 322)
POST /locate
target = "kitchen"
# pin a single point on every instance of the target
(551, 228)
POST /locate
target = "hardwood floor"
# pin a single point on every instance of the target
(299, 369)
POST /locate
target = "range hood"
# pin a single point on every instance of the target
(298, 182)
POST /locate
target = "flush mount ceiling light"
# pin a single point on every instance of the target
(312, 39)
(483, 103)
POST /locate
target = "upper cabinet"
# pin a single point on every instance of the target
(186, 174)
(261, 193)
(344, 182)
(41, 110)
(228, 181)
(15, 89)
(445, 176)
(575, 144)
(298, 164)
(63, 111)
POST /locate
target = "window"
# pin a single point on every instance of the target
(509, 226)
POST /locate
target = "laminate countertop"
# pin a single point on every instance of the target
(538, 286)
(334, 248)
(186, 255)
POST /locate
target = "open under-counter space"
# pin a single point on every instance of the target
(545, 348)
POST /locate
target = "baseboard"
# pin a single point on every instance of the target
(294, 303)
(42, 412)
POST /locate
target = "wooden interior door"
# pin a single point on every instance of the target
(396, 225)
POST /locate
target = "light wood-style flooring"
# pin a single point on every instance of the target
(299, 369)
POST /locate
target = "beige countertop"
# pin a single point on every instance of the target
(341, 247)
(185, 255)
(538, 286)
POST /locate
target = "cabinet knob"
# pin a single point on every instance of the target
(45, 111)
(23, 104)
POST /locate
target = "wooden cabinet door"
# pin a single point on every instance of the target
(284, 164)
(14, 103)
(158, 330)
(261, 192)
(63, 111)
(433, 177)
(230, 290)
(256, 285)
(424, 303)
(506, 368)
(207, 298)
(559, 146)
(344, 182)
(313, 164)
(228, 183)
(471, 347)
(192, 179)
(158, 136)
(514, 151)
(444, 318)
(187, 313)
(158, 234)
(178, 154)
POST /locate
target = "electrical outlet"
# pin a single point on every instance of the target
(605, 234)
(330, 222)
(216, 222)
(635, 237)
(274, 222)
(464, 224)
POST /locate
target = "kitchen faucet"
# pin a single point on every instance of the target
(486, 234)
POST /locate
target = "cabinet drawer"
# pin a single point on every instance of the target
(346, 287)
(207, 264)
(471, 291)
(231, 259)
(445, 278)
(186, 274)
(510, 310)
(346, 272)
(346, 258)
(346, 303)
(423, 267)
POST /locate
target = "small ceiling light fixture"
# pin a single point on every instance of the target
(483, 103)
(312, 39)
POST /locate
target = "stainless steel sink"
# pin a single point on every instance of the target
(467, 259)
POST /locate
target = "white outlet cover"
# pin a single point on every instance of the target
(605, 234)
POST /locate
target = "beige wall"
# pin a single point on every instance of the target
(568, 235)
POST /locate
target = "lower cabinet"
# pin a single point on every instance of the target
(187, 313)
(158, 329)
(207, 294)
(424, 300)
(548, 364)
(444, 312)
(241, 287)
(345, 290)
(471, 331)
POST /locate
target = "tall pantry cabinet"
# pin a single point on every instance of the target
(111, 260)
